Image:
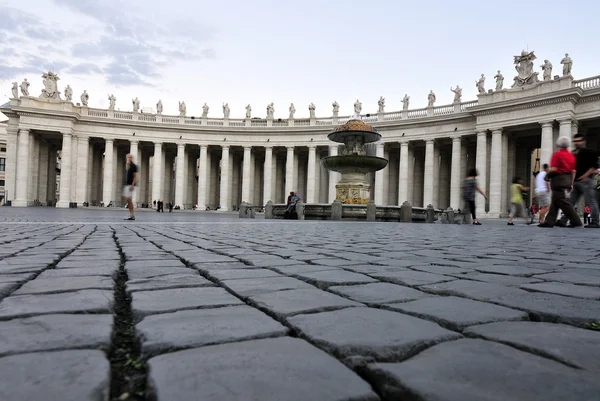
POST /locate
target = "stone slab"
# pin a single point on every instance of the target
(500, 279)
(7, 288)
(572, 345)
(277, 369)
(195, 328)
(233, 274)
(16, 278)
(89, 301)
(368, 332)
(51, 285)
(574, 277)
(300, 269)
(570, 290)
(326, 278)
(55, 332)
(158, 262)
(254, 286)
(149, 272)
(509, 270)
(412, 277)
(81, 375)
(379, 293)
(476, 370)
(456, 313)
(208, 267)
(81, 271)
(191, 279)
(472, 289)
(292, 302)
(97, 262)
(161, 301)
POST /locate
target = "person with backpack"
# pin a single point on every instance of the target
(470, 187)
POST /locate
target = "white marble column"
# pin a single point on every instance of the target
(22, 182)
(157, 172)
(34, 173)
(547, 143)
(11, 162)
(108, 172)
(379, 177)
(289, 171)
(455, 177)
(65, 172)
(403, 170)
(74, 165)
(481, 166)
(203, 177)
(565, 128)
(134, 150)
(311, 188)
(246, 174)
(268, 169)
(43, 177)
(180, 175)
(333, 176)
(224, 194)
(83, 150)
(428, 175)
(496, 167)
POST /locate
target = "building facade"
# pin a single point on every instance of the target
(3, 125)
(220, 162)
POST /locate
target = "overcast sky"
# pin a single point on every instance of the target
(257, 52)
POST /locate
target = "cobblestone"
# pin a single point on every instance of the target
(411, 311)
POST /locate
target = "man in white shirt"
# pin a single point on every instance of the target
(542, 192)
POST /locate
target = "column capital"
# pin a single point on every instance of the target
(290, 148)
(12, 129)
(549, 123)
(248, 147)
(429, 141)
(131, 142)
(64, 134)
(481, 133)
(269, 147)
(24, 130)
(223, 147)
(84, 139)
(159, 144)
(203, 146)
(496, 131)
(180, 145)
(457, 138)
(312, 146)
(404, 142)
(109, 140)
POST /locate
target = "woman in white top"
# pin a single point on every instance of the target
(542, 192)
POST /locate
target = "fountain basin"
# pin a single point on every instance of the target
(348, 164)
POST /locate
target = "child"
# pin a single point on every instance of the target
(586, 215)
(532, 212)
(517, 208)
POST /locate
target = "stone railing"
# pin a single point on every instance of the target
(588, 83)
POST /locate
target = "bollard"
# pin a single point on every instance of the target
(243, 210)
(467, 218)
(371, 211)
(406, 212)
(336, 210)
(269, 210)
(300, 209)
(450, 214)
(430, 214)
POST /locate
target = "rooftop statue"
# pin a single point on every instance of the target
(248, 111)
(405, 101)
(50, 90)
(292, 111)
(112, 100)
(524, 67)
(547, 68)
(84, 98)
(15, 90)
(68, 93)
(311, 110)
(431, 99)
(182, 109)
(457, 93)
(381, 104)
(567, 64)
(480, 84)
(136, 104)
(357, 108)
(205, 110)
(226, 110)
(499, 80)
(159, 107)
(336, 108)
(25, 87)
(270, 110)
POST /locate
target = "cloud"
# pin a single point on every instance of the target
(85, 69)
(25, 25)
(10, 72)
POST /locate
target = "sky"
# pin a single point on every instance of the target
(257, 52)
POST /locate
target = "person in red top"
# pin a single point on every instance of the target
(562, 175)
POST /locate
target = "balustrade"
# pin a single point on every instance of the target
(588, 83)
(123, 115)
(417, 113)
(97, 113)
(440, 110)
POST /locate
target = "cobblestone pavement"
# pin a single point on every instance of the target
(201, 306)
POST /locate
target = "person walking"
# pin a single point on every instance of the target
(131, 176)
(470, 186)
(542, 192)
(586, 163)
(517, 207)
(561, 175)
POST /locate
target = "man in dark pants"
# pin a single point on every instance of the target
(129, 188)
(586, 162)
(562, 173)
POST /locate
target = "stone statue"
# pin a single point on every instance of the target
(136, 104)
(311, 110)
(226, 110)
(524, 67)
(15, 90)
(381, 104)
(480, 84)
(182, 109)
(25, 87)
(50, 90)
(270, 110)
(336, 108)
(547, 68)
(405, 101)
(248, 111)
(84, 98)
(431, 99)
(112, 100)
(357, 108)
(68, 93)
(292, 111)
(499, 80)
(205, 110)
(567, 64)
(457, 93)
(159, 107)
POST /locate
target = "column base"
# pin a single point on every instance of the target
(63, 205)
(19, 203)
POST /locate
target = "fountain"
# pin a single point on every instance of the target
(354, 163)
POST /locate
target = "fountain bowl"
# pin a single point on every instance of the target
(354, 163)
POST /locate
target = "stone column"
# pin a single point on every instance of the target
(34, 173)
(116, 164)
(22, 182)
(83, 150)
(224, 195)
(403, 174)
(108, 172)
(333, 176)
(311, 188)
(547, 143)
(455, 177)
(289, 171)
(11, 162)
(202, 177)
(246, 174)
(428, 176)
(74, 165)
(65, 172)
(565, 128)
(180, 174)
(134, 151)
(268, 169)
(481, 166)
(157, 172)
(496, 167)
(379, 178)
(43, 178)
